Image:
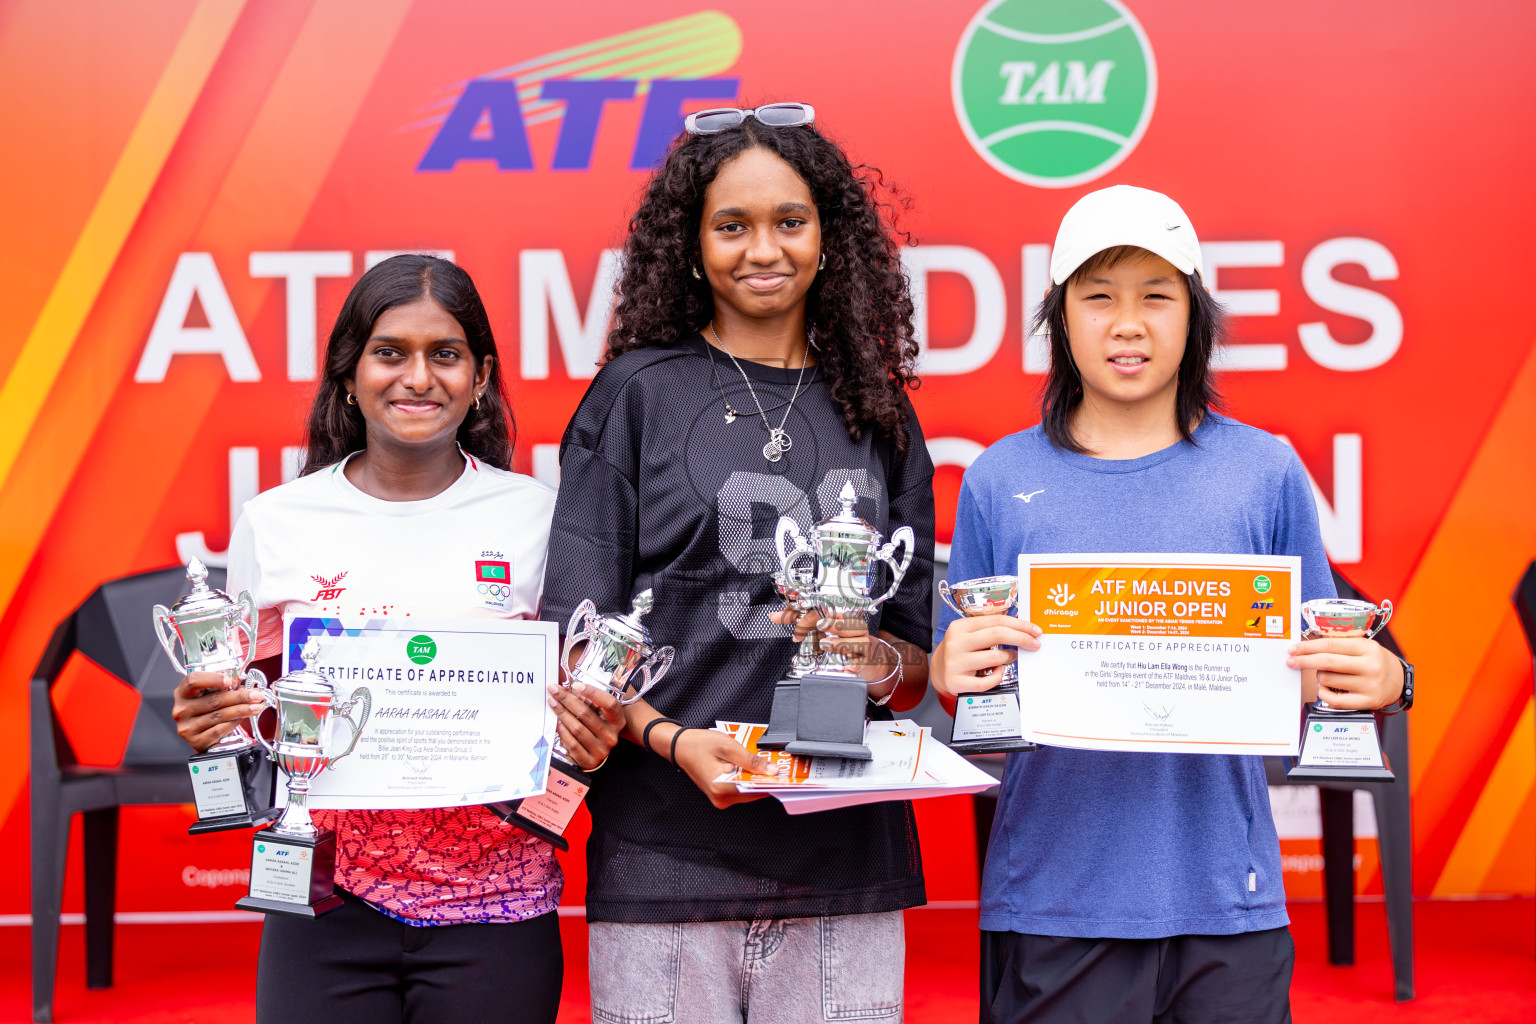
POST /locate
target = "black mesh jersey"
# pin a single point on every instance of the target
(662, 488)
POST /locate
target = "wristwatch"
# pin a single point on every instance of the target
(1405, 701)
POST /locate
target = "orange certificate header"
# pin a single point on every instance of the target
(1162, 599)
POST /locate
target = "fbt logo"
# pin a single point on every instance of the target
(488, 122)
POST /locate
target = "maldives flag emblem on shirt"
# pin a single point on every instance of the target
(493, 572)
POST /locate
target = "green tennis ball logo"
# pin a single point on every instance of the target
(421, 649)
(1054, 93)
(1261, 584)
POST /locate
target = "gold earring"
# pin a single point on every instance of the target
(477, 403)
(351, 398)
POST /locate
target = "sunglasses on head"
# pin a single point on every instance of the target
(776, 115)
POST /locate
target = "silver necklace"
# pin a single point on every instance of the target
(779, 440)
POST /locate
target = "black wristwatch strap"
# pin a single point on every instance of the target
(1405, 701)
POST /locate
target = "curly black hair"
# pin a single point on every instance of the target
(858, 309)
(336, 427)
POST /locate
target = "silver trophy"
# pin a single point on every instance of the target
(618, 647)
(207, 627)
(987, 722)
(1335, 743)
(292, 861)
(841, 558)
(780, 733)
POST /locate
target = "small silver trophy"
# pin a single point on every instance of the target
(228, 785)
(618, 649)
(841, 558)
(1338, 744)
(786, 692)
(293, 862)
(988, 722)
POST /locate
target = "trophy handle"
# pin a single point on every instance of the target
(247, 625)
(582, 613)
(798, 547)
(907, 541)
(661, 660)
(270, 700)
(163, 629)
(361, 694)
(944, 596)
(1386, 617)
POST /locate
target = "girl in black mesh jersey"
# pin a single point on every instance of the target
(758, 362)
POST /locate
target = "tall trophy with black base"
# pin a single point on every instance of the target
(988, 722)
(293, 863)
(230, 783)
(785, 712)
(1338, 744)
(841, 557)
(618, 649)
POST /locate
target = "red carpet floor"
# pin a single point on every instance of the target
(1477, 963)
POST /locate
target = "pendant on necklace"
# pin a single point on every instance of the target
(778, 443)
(771, 452)
(730, 414)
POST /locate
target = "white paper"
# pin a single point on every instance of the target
(1171, 653)
(464, 721)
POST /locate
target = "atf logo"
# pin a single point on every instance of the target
(1263, 604)
(666, 65)
(1054, 93)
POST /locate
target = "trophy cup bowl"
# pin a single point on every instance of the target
(1337, 743)
(203, 632)
(292, 860)
(618, 648)
(838, 562)
(988, 722)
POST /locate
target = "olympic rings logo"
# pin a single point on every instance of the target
(500, 591)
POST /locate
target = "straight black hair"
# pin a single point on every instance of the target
(336, 428)
(1063, 390)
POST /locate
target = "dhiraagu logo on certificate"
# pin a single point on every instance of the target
(1160, 600)
(1054, 93)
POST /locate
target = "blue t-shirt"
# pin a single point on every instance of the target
(1094, 844)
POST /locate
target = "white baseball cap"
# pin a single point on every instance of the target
(1124, 215)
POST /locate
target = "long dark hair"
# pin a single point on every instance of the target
(1063, 390)
(858, 308)
(336, 428)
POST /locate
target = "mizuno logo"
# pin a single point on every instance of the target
(1025, 497)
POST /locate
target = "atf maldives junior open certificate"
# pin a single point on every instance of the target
(1172, 653)
(459, 713)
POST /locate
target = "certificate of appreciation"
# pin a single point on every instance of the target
(459, 713)
(1170, 653)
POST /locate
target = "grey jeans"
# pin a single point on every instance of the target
(798, 970)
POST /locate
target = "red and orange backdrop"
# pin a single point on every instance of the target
(194, 184)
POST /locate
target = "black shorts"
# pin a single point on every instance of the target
(356, 964)
(1186, 979)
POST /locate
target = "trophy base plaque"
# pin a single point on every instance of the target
(988, 722)
(292, 875)
(231, 790)
(548, 814)
(784, 716)
(1338, 746)
(829, 719)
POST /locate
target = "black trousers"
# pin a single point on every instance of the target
(1186, 979)
(356, 964)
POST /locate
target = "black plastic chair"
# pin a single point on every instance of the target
(112, 628)
(1525, 607)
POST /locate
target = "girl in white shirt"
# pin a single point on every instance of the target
(407, 507)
